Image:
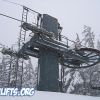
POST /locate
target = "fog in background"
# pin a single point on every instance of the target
(72, 15)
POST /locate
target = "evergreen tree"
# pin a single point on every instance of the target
(88, 37)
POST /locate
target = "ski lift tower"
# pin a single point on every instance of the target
(46, 44)
(48, 61)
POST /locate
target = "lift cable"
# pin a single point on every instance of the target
(12, 2)
(10, 17)
(20, 5)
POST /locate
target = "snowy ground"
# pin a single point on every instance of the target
(51, 96)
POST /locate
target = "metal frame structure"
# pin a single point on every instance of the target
(48, 46)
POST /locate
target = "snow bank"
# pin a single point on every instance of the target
(39, 95)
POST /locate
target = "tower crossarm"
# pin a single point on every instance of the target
(44, 39)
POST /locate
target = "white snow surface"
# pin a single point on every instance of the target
(40, 95)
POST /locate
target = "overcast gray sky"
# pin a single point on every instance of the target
(72, 15)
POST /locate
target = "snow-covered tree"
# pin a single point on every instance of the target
(4, 71)
(29, 75)
(15, 73)
(88, 37)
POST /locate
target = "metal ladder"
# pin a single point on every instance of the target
(22, 31)
(20, 62)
